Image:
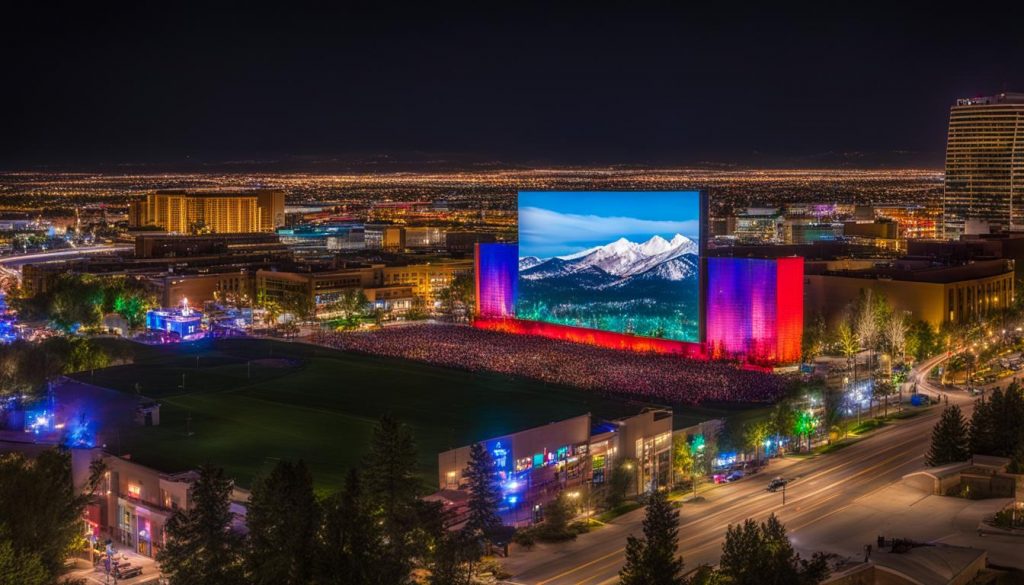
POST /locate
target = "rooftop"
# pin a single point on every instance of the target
(999, 98)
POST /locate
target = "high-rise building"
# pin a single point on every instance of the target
(223, 212)
(984, 165)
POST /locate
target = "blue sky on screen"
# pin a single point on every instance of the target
(557, 223)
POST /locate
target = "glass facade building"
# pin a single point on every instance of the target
(984, 165)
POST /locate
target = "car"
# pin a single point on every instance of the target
(777, 484)
(735, 475)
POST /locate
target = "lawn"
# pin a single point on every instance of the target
(247, 403)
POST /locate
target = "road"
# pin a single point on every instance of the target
(17, 261)
(819, 488)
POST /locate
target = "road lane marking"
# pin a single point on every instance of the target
(758, 513)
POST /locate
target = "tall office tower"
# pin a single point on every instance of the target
(984, 165)
(224, 212)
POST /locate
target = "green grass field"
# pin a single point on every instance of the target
(252, 402)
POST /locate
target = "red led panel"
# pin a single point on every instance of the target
(593, 337)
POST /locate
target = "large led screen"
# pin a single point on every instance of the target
(625, 262)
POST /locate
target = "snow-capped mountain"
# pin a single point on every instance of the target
(621, 258)
(528, 262)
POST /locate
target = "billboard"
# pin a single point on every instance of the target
(622, 262)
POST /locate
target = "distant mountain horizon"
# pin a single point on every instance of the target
(620, 258)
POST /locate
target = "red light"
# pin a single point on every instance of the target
(605, 339)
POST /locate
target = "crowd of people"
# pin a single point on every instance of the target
(646, 376)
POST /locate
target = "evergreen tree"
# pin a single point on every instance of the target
(40, 509)
(949, 439)
(982, 432)
(350, 540)
(652, 560)
(201, 546)
(452, 559)
(391, 492)
(484, 496)
(755, 554)
(282, 518)
(557, 515)
(23, 568)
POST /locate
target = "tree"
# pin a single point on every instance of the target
(618, 482)
(653, 559)
(895, 331)
(815, 338)
(458, 298)
(391, 492)
(557, 515)
(922, 340)
(949, 439)
(282, 518)
(848, 344)
(867, 322)
(41, 510)
(350, 539)
(452, 559)
(21, 567)
(995, 427)
(754, 435)
(881, 391)
(201, 546)
(484, 496)
(755, 554)
(682, 459)
(417, 310)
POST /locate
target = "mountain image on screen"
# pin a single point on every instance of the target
(647, 288)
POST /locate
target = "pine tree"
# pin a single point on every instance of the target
(949, 439)
(652, 560)
(391, 488)
(981, 434)
(350, 539)
(201, 547)
(484, 496)
(755, 554)
(557, 515)
(282, 518)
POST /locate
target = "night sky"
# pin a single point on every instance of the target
(167, 86)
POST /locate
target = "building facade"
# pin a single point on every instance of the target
(936, 294)
(394, 287)
(223, 212)
(984, 165)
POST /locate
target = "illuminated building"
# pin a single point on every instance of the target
(984, 165)
(384, 237)
(759, 225)
(570, 453)
(755, 309)
(184, 323)
(496, 278)
(914, 221)
(424, 281)
(936, 294)
(184, 211)
(187, 246)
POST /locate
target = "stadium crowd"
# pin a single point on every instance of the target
(644, 375)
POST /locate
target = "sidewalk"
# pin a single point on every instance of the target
(95, 575)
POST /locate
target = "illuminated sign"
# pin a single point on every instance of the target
(622, 262)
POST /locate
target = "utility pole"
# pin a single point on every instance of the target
(784, 493)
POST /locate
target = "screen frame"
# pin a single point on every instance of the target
(702, 249)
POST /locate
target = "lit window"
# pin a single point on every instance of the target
(135, 490)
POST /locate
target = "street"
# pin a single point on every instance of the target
(820, 489)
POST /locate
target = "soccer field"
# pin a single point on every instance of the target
(247, 403)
